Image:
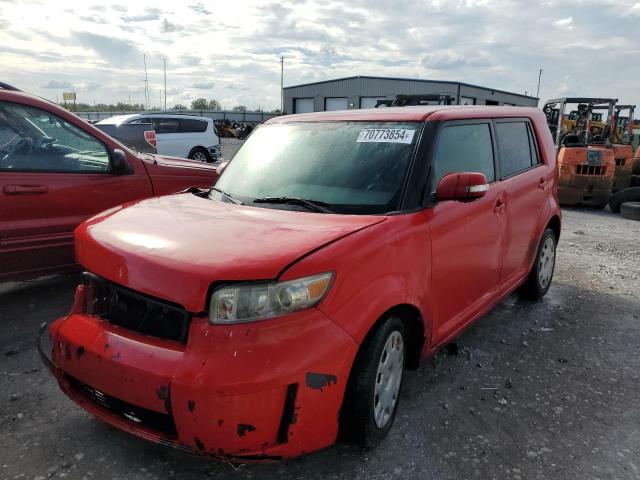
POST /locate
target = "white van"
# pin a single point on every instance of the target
(185, 136)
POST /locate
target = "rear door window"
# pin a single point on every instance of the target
(166, 125)
(515, 147)
(463, 148)
(189, 125)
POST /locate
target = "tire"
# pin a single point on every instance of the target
(627, 195)
(541, 275)
(200, 154)
(630, 210)
(364, 420)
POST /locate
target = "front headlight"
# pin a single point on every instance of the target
(259, 301)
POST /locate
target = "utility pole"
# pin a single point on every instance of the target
(146, 83)
(164, 60)
(538, 92)
(281, 85)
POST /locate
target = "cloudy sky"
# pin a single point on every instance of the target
(230, 50)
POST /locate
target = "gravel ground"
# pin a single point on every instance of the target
(547, 390)
(229, 147)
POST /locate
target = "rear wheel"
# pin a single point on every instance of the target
(373, 391)
(539, 279)
(200, 154)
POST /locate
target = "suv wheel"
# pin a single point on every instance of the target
(539, 279)
(200, 154)
(373, 391)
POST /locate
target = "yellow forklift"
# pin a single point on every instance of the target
(586, 164)
(620, 130)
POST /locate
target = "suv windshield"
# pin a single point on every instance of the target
(349, 167)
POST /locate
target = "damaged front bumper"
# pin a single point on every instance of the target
(249, 392)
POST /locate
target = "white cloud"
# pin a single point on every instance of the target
(564, 23)
(235, 47)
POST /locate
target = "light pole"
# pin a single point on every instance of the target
(165, 83)
(281, 85)
(538, 92)
(147, 98)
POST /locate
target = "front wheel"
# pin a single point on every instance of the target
(539, 279)
(373, 391)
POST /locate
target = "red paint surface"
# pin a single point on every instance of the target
(36, 227)
(449, 264)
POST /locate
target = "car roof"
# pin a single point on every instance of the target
(118, 119)
(173, 115)
(410, 114)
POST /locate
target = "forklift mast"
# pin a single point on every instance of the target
(581, 132)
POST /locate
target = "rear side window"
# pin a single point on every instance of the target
(463, 148)
(192, 126)
(516, 147)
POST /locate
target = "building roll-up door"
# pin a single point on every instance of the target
(302, 105)
(369, 102)
(335, 103)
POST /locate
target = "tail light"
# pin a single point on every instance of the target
(150, 137)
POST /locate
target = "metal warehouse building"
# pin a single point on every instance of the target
(364, 92)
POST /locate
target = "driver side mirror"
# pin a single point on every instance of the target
(463, 186)
(119, 163)
(220, 168)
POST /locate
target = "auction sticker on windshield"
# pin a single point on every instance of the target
(386, 135)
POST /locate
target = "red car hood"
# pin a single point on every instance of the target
(175, 247)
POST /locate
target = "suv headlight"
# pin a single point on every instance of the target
(259, 301)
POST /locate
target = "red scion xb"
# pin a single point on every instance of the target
(259, 318)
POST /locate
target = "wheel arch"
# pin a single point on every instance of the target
(417, 331)
(555, 225)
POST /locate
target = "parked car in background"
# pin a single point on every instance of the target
(56, 170)
(257, 319)
(140, 137)
(184, 136)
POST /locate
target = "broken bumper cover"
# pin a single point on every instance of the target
(259, 391)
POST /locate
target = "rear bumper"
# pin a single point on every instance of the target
(214, 151)
(259, 391)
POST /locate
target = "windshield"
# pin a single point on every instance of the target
(351, 167)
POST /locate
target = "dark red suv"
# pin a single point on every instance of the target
(56, 170)
(260, 317)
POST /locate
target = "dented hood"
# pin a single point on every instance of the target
(175, 247)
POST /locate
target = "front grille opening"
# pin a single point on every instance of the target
(134, 311)
(591, 170)
(158, 422)
(620, 162)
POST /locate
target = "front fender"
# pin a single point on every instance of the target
(376, 269)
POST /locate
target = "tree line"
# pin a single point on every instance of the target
(197, 104)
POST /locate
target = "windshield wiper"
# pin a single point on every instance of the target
(233, 199)
(315, 205)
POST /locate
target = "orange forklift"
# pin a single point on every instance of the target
(586, 164)
(619, 129)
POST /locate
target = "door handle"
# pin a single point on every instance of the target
(25, 189)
